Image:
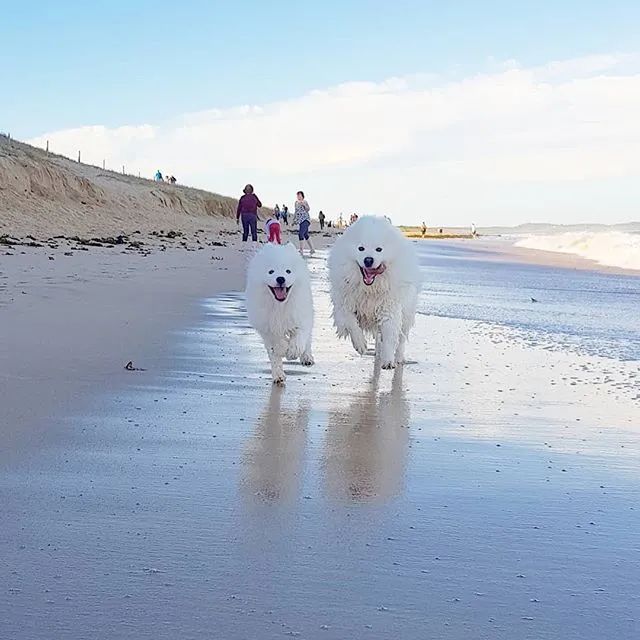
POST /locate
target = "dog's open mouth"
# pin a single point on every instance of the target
(280, 293)
(369, 273)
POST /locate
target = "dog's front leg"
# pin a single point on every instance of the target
(294, 346)
(347, 326)
(306, 357)
(300, 347)
(400, 357)
(275, 353)
(388, 340)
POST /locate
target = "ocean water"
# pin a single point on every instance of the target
(586, 312)
(609, 248)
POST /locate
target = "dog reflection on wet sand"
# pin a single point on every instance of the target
(274, 454)
(367, 444)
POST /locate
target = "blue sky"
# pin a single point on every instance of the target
(163, 84)
(118, 62)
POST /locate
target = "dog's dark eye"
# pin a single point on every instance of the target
(288, 270)
(378, 249)
(271, 272)
(360, 248)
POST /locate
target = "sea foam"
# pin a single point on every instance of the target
(610, 248)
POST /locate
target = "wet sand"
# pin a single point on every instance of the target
(486, 490)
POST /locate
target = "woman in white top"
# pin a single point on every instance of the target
(302, 218)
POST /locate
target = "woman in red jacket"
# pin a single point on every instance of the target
(248, 206)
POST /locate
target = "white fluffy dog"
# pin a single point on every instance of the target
(280, 306)
(375, 280)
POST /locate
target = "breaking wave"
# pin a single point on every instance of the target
(610, 248)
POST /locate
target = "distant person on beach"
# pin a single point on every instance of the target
(172, 180)
(321, 218)
(276, 212)
(340, 221)
(302, 218)
(272, 229)
(158, 176)
(285, 214)
(248, 206)
(474, 231)
(424, 229)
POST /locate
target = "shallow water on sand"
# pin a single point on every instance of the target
(586, 311)
(488, 490)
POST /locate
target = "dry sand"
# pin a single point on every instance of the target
(45, 195)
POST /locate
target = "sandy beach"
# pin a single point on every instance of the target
(485, 490)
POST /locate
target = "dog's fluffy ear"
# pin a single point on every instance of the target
(291, 247)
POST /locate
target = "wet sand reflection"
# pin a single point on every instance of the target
(367, 444)
(272, 464)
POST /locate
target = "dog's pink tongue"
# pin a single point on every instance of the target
(369, 275)
(280, 293)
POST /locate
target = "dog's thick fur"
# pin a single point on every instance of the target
(375, 280)
(280, 305)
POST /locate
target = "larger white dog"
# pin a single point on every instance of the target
(280, 306)
(375, 280)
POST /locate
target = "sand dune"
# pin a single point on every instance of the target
(44, 194)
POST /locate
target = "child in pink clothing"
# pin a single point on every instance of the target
(272, 229)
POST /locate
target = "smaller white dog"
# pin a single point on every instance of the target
(375, 280)
(280, 305)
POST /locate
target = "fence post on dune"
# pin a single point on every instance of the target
(47, 146)
(78, 156)
(122, 169)
(103, 165)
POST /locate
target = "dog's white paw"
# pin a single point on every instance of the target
(279, 379)
(306, 360)
(388, 364)
(359, 343)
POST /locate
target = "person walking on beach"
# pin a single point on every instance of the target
(276, 212)
(158, 177)
(285, 214)
(424, 229)
(302, 218)
(321, 218)
(272, 229)
(474, 231)
(248, 206)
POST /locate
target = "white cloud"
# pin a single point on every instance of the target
(551, 133)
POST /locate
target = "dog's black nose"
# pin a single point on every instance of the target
(280, 280)
(368, 262)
